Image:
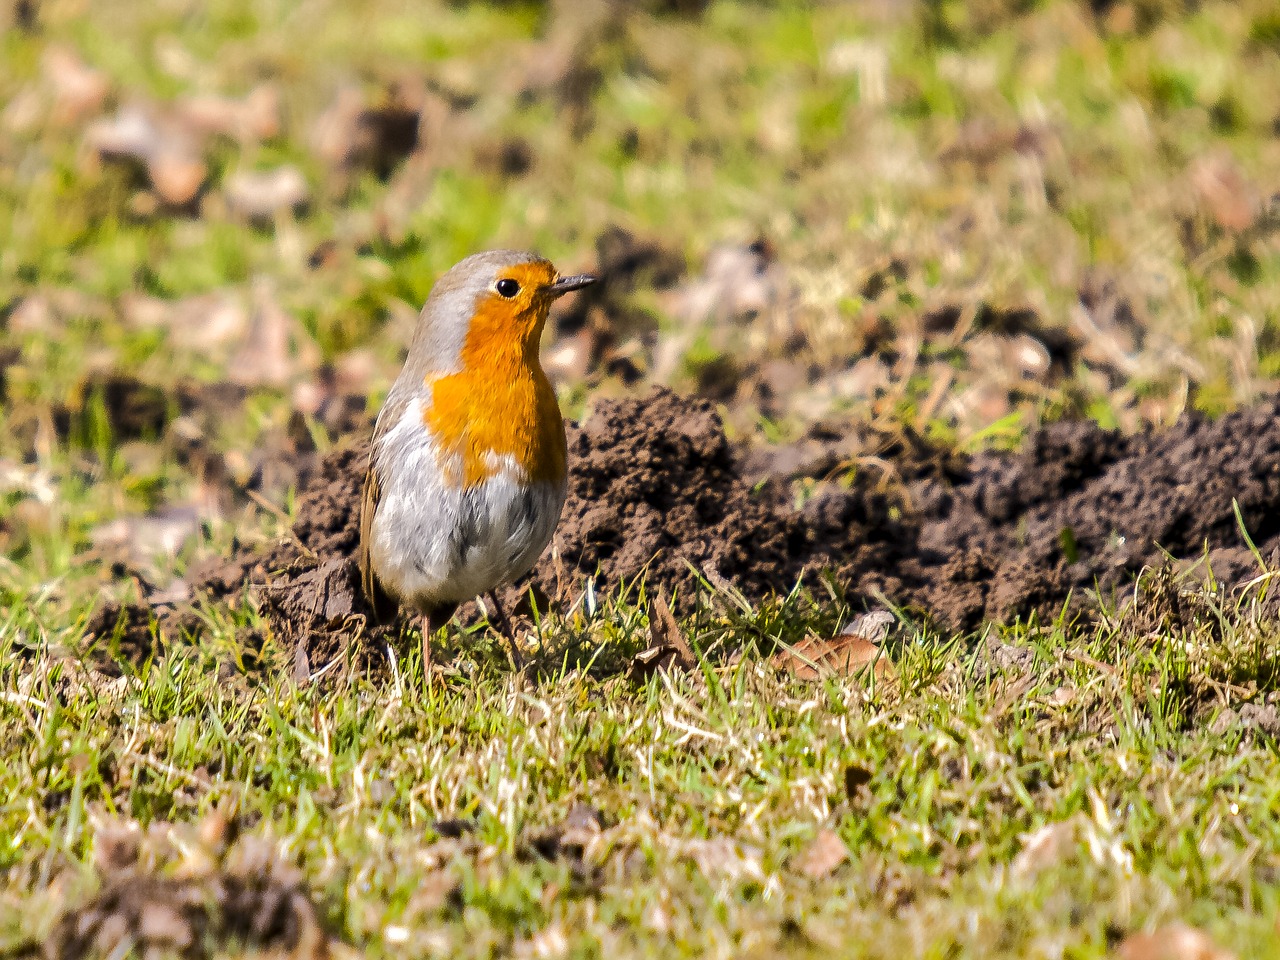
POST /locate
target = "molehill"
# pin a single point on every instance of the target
(658, 492)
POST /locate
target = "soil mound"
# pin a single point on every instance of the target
(654, 490)
(1083, 508)
(308, 585)
(657, 492)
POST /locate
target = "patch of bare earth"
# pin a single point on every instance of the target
(658, 492)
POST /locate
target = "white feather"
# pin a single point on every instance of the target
(434, 543)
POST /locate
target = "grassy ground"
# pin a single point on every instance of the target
(1032, 791)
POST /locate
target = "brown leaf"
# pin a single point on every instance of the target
(255, 117)
(737, 283)
(204, 321)
(823, 855)
(726, 858)
(1046, 847)
(78, 89)
(177, 176)
(668, 647)
(844, 656)
(572, 356)
(1174, 942)
(261, 194)
(33, 314)
(139, 134)
(276, 346)
(1224, 192)
(142, 540)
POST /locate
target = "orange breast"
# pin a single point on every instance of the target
(500, 405)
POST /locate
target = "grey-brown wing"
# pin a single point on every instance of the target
(380, 602)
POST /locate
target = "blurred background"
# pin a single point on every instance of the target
(219, 220)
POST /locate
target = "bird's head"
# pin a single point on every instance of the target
(490, 303)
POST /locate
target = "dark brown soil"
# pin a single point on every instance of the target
(307, 585)
(656, 488)
(1083, 508)
(653, 490)
(657, 492)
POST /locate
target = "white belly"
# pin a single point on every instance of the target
(433, 543)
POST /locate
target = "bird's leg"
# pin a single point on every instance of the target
(428, 628)
(508, 634)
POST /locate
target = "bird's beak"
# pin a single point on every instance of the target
(564, 285)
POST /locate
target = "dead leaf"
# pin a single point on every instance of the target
(33, 314)
(145, 539)
(726, 858)
(275, 348)
(1174, 942)
(668, 647)
(78, 89)
(549, 942)
(132, 134)
(203, 321)
(253, 117)
(140, 135)
(1222, 189)
(823, 855)
(1049, 846)
(176, 176)
(737, 283)
(260, 195)
(572, 356)
(846, 655)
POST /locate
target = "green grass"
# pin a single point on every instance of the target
(877, 148)
(711, 785)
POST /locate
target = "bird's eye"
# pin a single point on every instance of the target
(508, 287)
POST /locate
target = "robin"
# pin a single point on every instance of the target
(467, 470)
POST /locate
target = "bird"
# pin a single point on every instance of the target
(468, 466)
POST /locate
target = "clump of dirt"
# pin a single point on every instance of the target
(124, 632)
(656, 488)
(244, 897)
(657, 491)
(653, 489)
(307, 584)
